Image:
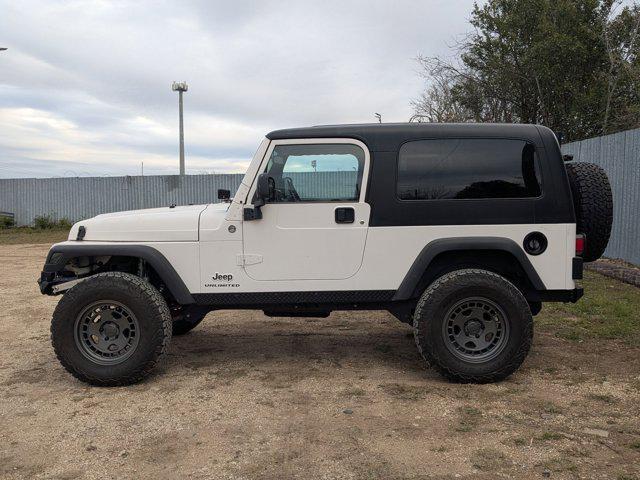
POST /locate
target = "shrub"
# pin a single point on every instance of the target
(45, 222)
(65, 224)
(6, 222)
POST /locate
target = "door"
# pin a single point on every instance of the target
(314, 226)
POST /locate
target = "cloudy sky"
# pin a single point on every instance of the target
(85, 85)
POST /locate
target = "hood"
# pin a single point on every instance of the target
(165, 224)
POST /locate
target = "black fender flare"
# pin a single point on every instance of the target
(434, 248)
(59, 255)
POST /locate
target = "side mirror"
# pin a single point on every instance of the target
(224, 194)
(264, 189)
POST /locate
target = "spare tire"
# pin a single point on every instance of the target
(593, 204)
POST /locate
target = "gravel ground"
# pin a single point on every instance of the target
(247, 396)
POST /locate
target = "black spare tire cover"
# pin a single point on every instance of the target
(593, 204)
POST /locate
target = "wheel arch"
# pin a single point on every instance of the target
(60, 255)
(492, 253)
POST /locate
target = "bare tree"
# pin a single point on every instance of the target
(438, 103)
(621, 53)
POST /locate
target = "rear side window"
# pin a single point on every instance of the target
(467, 168)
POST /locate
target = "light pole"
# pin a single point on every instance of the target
(180, 87)
(379, 117)
(417, 117)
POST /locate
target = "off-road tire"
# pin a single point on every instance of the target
(593, 204)
(434, 305)
(137, 295)
(185, 321)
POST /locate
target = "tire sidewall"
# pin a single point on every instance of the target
(441, 297)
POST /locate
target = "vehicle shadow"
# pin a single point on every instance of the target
(264, 344)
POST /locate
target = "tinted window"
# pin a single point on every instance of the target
(316, 173)
(467, 168)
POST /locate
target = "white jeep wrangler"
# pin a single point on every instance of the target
(460, 230)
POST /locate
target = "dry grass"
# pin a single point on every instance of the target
(28, 235)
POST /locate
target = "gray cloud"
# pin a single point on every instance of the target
(87, 83)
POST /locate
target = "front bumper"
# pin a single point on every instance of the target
(45, 282)
(48, 280)
(51, 272)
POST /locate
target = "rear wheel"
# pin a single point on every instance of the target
(111, 329)
(473, 326)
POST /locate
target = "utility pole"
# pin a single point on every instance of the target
(180, 87)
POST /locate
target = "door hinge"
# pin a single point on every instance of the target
(248, 259)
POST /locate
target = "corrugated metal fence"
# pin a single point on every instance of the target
(619, 155)
(80, 198)
(84, 197)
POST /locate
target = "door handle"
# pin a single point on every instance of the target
(345, 215)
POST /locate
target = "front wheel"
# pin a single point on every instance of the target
(473, 326)
(111, 329)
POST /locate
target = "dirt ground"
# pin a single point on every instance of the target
(247, 396)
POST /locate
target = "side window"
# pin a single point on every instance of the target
(467, 168)
(316, 172)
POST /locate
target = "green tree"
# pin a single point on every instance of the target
(569, 64)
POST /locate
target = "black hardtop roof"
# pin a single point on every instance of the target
(389, 136)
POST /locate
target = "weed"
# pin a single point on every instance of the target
(602, 397)
(469, 418)
(560, 464)
(488, 459)
(470, 411)
(546, 436)
(404, 392)
(354, 392)
(520, 441)
(552, 408)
